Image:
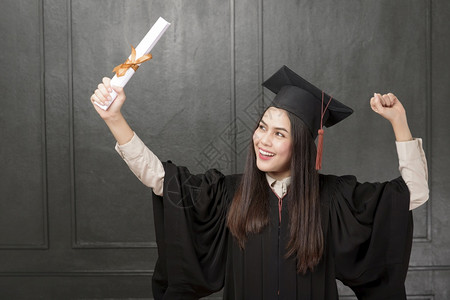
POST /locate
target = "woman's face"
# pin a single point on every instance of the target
(273, 143)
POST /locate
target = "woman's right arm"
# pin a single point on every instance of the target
(113, 116)
(142, 162)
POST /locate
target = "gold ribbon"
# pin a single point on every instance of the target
(131, 62)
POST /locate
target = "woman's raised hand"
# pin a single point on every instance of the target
(112, 117)
(389, 107)
(101, 96)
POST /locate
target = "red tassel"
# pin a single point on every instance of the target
(320, 131)
(319, 150)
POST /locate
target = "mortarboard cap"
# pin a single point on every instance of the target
(303, 99)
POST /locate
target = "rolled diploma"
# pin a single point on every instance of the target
(144, 47)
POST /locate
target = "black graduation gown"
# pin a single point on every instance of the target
(367, 229)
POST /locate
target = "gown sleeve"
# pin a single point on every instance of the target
(191, 233)
(371, 228)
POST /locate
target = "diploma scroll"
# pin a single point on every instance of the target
(144, 47)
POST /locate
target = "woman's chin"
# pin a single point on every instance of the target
(263, 167)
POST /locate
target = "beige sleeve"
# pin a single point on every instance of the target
(143, 163)
(414, 170)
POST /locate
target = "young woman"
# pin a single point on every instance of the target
(280, 230)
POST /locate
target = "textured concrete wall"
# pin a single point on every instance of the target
(74, 222)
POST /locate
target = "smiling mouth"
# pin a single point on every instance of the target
(265, 155)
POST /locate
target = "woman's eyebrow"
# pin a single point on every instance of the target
(277, 128)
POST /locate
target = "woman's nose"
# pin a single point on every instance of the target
(265, 139)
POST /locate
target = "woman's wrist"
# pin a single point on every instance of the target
(119, 128)
(113, 118)
(401, 130)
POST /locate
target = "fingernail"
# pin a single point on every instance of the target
(109, 98)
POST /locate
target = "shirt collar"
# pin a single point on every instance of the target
(272, 181)
(280, 187)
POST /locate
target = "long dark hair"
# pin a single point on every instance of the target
(249, 210)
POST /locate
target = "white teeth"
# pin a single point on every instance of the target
(266, 153)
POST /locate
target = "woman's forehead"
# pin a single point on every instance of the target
(276, 116)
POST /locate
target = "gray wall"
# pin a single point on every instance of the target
(76, 223)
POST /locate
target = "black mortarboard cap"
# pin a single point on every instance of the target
(303, 99)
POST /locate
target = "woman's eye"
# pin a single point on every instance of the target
(280, 134)
(262, 127)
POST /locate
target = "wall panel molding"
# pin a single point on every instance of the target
(76, 243)
(428, 268)
(420, 297)
(428, 122)
(409, 297)
(44, 196)
(86, 273)
(76, 216)
(233, 114)
(113, 245)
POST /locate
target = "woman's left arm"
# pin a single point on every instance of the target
(412, 161)
(390, 108)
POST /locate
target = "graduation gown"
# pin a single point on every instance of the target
(367, 232)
